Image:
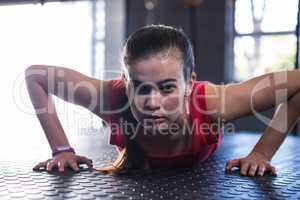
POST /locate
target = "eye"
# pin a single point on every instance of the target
(168, 88)
(143, 90)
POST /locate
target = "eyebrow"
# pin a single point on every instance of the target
(137, 82)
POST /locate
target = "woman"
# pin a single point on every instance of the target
(158, 113)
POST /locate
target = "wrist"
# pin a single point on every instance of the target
(262, 153)
(60, 149)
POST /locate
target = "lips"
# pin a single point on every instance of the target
(156, 118)
(159, 120)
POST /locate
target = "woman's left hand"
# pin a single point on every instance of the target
(253, 164)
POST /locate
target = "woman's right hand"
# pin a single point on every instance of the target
(63, 160)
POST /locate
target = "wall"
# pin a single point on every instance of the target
(208, 25)
(203, 24)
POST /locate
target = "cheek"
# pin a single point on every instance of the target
(136, 107)
(172, 105)
(135, 102)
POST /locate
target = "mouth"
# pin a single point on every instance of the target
(156, 118)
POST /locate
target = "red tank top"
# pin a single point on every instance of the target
(205, 139)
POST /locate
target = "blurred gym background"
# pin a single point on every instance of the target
(233, 40)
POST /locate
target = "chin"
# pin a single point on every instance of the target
(157, 128)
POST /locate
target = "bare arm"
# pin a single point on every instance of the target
(235, 100)
(258, 161)
(66, 84)
(281, 89)
(283, 121)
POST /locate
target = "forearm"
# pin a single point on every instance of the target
(283, 121)
(46, 114)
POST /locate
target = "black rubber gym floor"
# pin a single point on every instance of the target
(206, 181)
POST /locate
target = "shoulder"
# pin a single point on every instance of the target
(199, 95)
(211, 97)
(116, 93)
(202, 115)
(115, 84)
(199, 87)
(198, 101)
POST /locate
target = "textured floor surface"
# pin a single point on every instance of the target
(206, 181)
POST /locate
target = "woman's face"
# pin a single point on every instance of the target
(156, 89)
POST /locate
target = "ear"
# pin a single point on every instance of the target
(124, 79)
(194, 76)
(190, 84)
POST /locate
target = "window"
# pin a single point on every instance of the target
(264, 37)
(55, 33)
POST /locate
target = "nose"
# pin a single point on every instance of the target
(152, 101)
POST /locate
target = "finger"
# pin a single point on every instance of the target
(50, 165)
(252, 170)
(61, 166)
(74, 166)
(41, 164)
(86, 161)
(244, 169)
(232, 163)
(38, 166)
(261, 170)
(273, 171)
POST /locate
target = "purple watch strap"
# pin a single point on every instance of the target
(57, 151)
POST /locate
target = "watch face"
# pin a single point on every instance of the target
(63, 148)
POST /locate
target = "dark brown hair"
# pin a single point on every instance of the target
(148, 41)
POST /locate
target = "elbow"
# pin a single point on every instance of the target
(36, 74)
(31, 72)
(294, 102)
